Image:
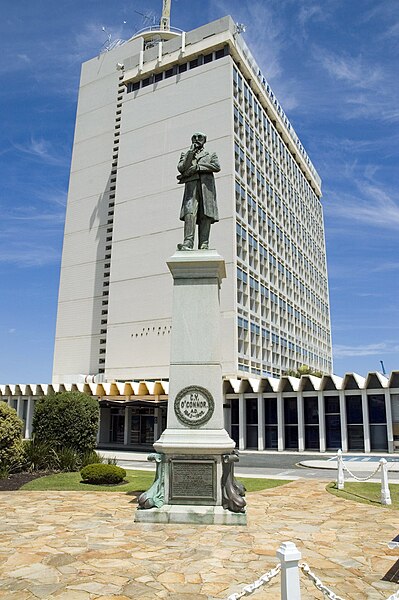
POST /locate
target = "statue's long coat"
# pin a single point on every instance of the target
(208, 164)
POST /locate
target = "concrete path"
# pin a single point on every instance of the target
(84, 546)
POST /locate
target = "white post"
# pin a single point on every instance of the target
(289, 556)
(261, 422)
(322, 421)
(242, 423)
(183, 42)
(388, 412)
(280, 422)
(366, 422)
(344, 424)
(385, 493)
(160, 52)
(340, 471)
(301, 423)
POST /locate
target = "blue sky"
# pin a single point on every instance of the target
(333, 66)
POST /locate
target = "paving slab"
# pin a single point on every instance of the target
(85, 545)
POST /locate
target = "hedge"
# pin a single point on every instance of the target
(67, 420)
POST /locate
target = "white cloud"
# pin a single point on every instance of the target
(374, 206)
(267, 37)
(25, 254)
(265, 32)
(42, 150)
(343, 351)
(386, 267)
(310, 12)
(354, 70)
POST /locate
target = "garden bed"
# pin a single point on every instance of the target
(17, 480)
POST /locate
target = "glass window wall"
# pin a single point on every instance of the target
(271, 430)
(354, 418)
(251, 407)
(291, 423)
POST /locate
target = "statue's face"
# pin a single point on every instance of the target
(198, 140)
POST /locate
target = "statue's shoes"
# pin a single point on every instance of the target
(204, 246)
(183, 247)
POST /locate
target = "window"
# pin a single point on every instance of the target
(291, 423)
(193, 63)
(235, 420)
(169, 73)
(354, 417)
(208, 58)
(158, 77)
(251, 408)
(182, 68)
(377, 417)
(311, 410)
(271, 432)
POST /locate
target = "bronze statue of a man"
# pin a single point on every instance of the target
(196, 167)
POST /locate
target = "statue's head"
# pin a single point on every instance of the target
(199, 139)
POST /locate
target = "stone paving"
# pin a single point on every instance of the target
(84, 546)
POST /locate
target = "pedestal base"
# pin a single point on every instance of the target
(195, 515)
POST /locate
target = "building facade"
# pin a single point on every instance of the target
(138, 105)
(354, 413)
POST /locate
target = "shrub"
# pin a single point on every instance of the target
(99, 473)
(67, 459)
(10, 437)
(90, 458)
(38, 456)
(67, 420)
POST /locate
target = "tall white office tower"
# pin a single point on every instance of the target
(139, 102)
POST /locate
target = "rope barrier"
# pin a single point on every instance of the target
(248, 589)
(360, 478)
(267, 577)
(318, 583)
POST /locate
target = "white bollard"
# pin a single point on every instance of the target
(289, 556)
(385, 493)
(340, 471)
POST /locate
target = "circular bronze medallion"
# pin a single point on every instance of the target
(194, 406)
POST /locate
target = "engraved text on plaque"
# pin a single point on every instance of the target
(192, 480)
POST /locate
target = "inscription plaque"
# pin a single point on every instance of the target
(192, 481)
(194, 406)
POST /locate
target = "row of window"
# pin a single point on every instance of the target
(177, 69)
(332, 416)
(297, 222)
(261, 257)
(258, 115)
(268, 165)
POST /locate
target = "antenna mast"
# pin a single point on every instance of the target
(165, 19)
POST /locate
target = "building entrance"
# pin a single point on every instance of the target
(131, 426)
(117, 426)
(142, 428)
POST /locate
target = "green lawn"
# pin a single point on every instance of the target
(366, 493)
(137, 481)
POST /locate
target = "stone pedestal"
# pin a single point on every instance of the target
(195, 455)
